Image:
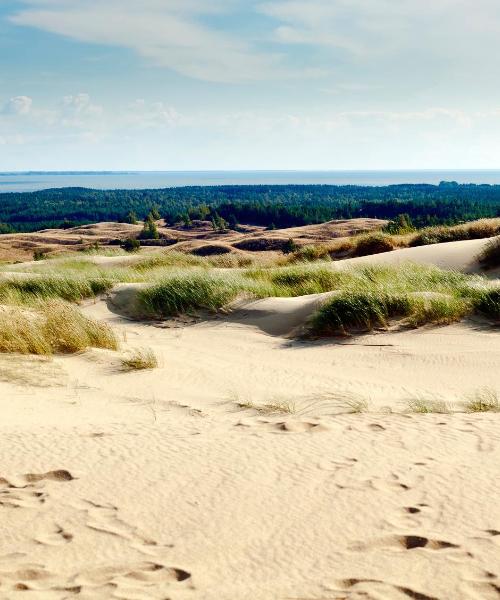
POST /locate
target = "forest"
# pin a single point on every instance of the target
(272, 206)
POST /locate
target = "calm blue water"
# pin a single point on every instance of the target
(26, 182)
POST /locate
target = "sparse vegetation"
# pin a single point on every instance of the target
(423, 406)
(415, 294)
(363, 297)
(139, 360)
(353, 404)
(275, 406)
(484, 228)
(484, 400)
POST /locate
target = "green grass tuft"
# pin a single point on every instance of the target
(28, 289)
(188, 292)
(140, 360)
(52, 327)
(358, 310)
(490, 256)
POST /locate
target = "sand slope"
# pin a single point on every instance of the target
(156, 485)
(458, 256)
(172, 484)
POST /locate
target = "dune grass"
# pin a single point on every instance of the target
(27, 290)
(483, 228)
(140, 360)
(377, 242)
(365, 298)
(490, 257)
(484, 400)
(373, 243)
(276, 406)
(51, 327)
(423, 406)
(183, 293)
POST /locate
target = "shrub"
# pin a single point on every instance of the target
(373, 243)
(290, 246)
(261, 244)
(400, 225)
(150, 229)
(211, 250)
(39, 255)
(131, 245)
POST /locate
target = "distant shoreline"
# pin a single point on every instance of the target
(27, 181)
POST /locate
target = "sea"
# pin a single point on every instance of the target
(129, 180)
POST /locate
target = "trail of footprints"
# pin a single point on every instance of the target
(476, 582)
(25, 493)
(29, 492)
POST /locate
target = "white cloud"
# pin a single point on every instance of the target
(169, 32)
(78, 110)
(156, 114)
(19, 105)
(82, 134)
(363, 26)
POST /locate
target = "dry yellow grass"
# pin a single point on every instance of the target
(139, 360)
(51, 327)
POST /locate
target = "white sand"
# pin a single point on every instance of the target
(457, 256)
(156, 485)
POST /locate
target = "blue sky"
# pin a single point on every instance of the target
(249, 84)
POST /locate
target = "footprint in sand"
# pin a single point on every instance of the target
(127, 575)
(373, 588)
(26, 578)
(24, 492)
(289, 426)
(106, 520)
(57, 537)
(407, 543)
(61, 475)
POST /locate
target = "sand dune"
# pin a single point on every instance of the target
(20, 246)
(458, 256)
(235, 470)
(155, 484)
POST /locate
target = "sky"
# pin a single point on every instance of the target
(249, 84)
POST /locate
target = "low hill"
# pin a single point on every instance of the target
(22, 246)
